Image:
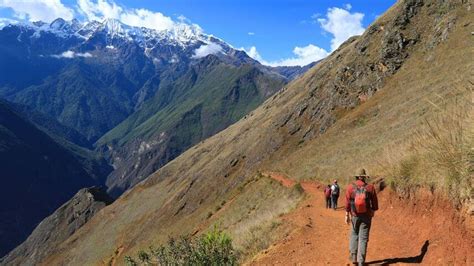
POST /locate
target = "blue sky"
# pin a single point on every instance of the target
(277, 32)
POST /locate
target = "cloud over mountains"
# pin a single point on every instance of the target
(339, 22)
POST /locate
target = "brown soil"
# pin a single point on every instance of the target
(419, 231)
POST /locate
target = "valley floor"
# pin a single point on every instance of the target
(403, 232)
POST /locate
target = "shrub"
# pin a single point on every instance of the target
(298, 188)
(215, 248)
(212, 248)
(143, 256)
(130, 262)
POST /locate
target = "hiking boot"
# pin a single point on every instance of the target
(353, 258)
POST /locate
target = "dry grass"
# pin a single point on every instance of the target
(440, 154)
(252, 218)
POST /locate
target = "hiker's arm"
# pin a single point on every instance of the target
(375, 202)
(348, 200)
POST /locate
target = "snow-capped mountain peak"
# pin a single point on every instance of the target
(181, 34)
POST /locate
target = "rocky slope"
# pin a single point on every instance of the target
(38, 175)
(371, 92)
(57, 227)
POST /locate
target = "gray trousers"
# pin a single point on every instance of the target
(334, 201)
(359, 237)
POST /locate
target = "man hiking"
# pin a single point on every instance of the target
(334, 194)
(327, 195)
(361, 203)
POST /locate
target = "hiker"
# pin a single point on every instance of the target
(334, 194)
(327, 195)
(361, 203)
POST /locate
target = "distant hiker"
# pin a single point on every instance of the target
(327, 195)
(334, 194)
(361, 203)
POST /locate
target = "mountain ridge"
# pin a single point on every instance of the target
(107, 66)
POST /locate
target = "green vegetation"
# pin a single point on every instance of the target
(225, 92)
(200, 103)
(212, 248)
(297, 187)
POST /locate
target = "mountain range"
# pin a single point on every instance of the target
(366, 99)
(121, 101)
(191, 135)
(91, 76)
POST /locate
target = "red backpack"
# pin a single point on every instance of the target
(327, 192)
(360, 199)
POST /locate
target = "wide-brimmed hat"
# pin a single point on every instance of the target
(361, 173)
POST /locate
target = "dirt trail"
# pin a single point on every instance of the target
(321, 237)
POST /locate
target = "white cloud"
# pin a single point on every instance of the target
(71, 54)
(341, 24)
(99, 10)
(207, 49)
(252, 52)
(148, 19)
(251, 33)
(6, 21)
(303, 56)
(44, 10)
(134, 17)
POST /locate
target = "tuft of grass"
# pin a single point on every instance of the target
(447, 142)
(440, 154)
(257, 238)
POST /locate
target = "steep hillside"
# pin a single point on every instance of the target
(207, 98)
(38, 175)
(52, 126)
(372, 91)
(78, 145)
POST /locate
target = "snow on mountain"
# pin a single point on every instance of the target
(182, 34)
(183, 42)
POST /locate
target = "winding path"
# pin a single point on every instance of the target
(321, 236)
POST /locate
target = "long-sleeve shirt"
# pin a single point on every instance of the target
(372, 198)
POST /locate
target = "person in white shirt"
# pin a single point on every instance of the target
(334, 194)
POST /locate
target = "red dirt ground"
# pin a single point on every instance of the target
(416, 231)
